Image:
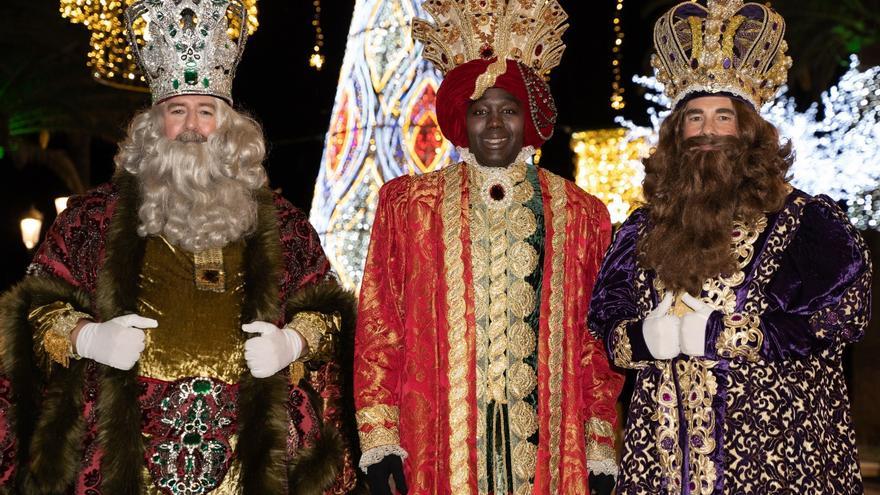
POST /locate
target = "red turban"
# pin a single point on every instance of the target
(454, 97)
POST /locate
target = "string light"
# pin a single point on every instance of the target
(608, 165)
(110, 58)
(617, 89)
(316, 60)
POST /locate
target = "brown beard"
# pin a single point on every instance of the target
(693, 196)
(692, 218)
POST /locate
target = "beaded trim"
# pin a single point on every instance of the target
(536, 88)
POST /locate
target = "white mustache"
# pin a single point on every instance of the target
(190, 137)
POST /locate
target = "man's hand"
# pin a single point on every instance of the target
(273, 350)
(117, 343)
(601, 484)
(693, 326)
(661, 330)
(380, 475)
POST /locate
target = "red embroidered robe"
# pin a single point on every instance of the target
(415, 350)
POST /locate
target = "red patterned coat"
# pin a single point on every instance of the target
(416, 338)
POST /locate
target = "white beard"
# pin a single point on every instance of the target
(195, 198)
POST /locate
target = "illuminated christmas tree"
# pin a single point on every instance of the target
(383, 125)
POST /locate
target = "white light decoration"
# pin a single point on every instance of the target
(60, 204)
(30, 228)
(836, 141)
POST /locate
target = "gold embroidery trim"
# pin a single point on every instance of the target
(55, 321)
(597, 451)
(457, 400)
(320, 331)
(379, 437)
(741, 337)
(622, 351)
(600, 452)
(498, 304)
(699, 388)
(381, 420)
(666, 437)
(480, 265)
(555, 321)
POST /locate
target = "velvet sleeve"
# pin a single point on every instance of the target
(601, 384)
(615, 311)
(818, 297)
(304, 259)
(379, 335)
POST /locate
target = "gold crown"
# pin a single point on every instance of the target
(528, 31)
(726, 47)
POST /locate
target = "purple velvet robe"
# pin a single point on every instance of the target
(766, 410)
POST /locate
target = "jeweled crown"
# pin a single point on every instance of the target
(186, 48)
(528, 31)
(725, 47)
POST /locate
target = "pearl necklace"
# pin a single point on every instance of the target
(496, 188)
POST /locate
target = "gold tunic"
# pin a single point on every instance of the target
(199, 332)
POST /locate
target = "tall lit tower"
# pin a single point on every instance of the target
(383, 125)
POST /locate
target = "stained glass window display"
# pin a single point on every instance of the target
(383, 125)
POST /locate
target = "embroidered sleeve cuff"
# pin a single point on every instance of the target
(628, 345)
(53, 324)
(320, 331)
(376, 454)
(377, 426)
(737, 335)
(601, 457)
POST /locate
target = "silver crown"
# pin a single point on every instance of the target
(186, 48)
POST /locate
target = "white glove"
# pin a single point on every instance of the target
(118, 343)
(273, 350)
(661, 330)
(693, 326)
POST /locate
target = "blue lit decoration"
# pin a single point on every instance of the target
(383, 125)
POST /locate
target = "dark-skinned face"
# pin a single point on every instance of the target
(495, 125)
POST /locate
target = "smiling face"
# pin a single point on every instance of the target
(495, 125)
(190, 118)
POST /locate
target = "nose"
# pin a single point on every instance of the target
(494, 120)
(709, 128)
(191, 122)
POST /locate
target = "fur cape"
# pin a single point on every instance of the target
(45, 415)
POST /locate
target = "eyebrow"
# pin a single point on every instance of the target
(694, 111)
(212, 106)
